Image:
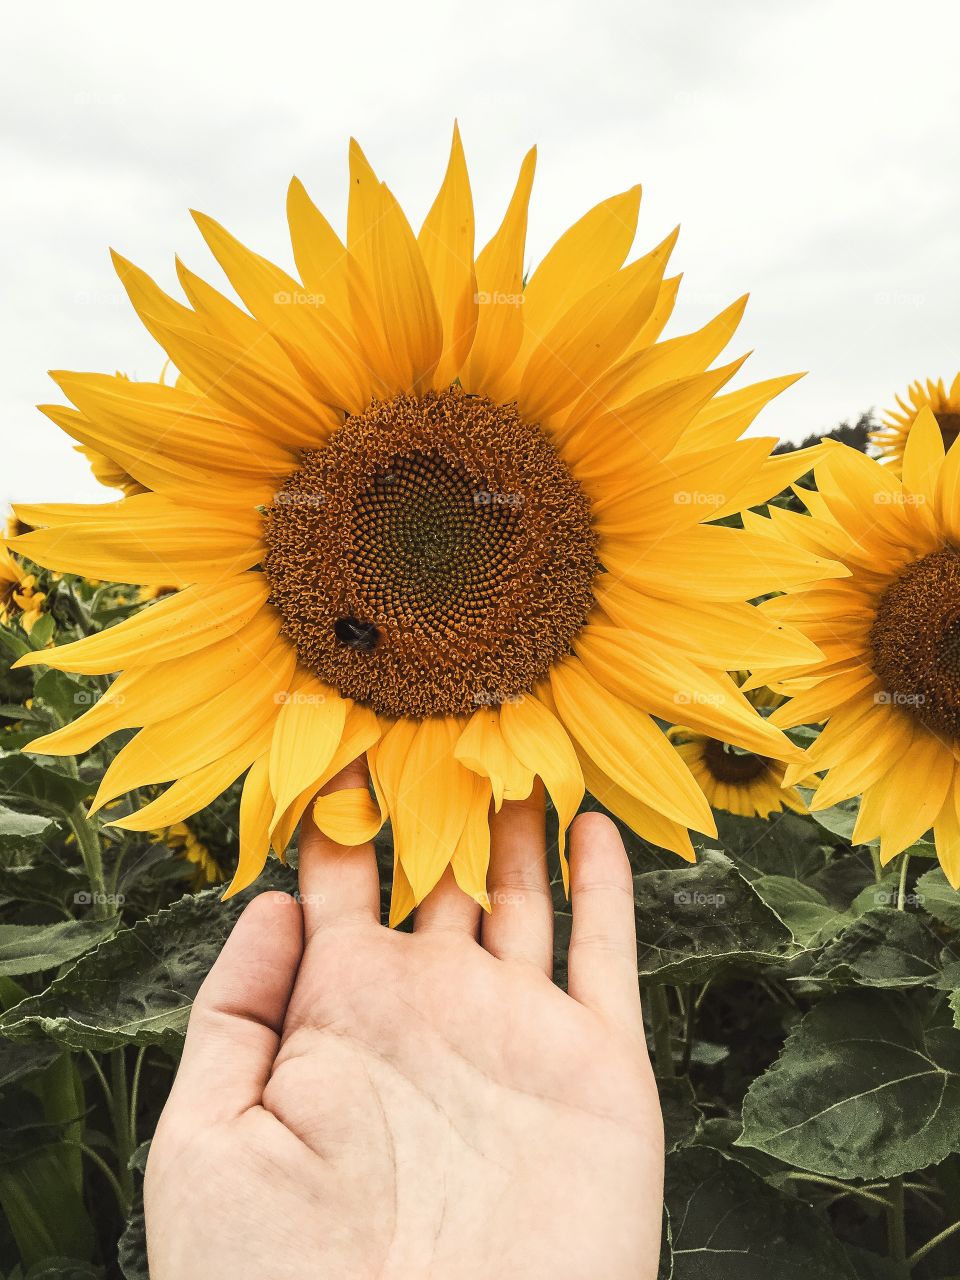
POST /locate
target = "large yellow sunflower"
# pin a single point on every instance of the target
(891, 437)
(429, 514)
(888, 685)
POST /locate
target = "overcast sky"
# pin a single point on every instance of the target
(808, 150)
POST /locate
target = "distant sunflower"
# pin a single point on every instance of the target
(19, 597)
(888, 686)
(891, 436)
(109, 473)
(431, 514)
(182, 841)
(741, 782)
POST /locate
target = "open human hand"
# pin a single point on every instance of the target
(354, 1102)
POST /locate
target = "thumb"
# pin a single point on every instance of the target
(235, 1024)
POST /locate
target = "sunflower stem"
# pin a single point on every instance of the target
(902, 886)
(896, 1227)
(121, 1125)
(88, 842)
(924, 1249)
(660, 1024)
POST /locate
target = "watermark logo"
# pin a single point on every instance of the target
(483, 298)
(299, 699)
(696, 498)
(887, 699)
(899, 499)
(697, 698)
(299, 298)
(85, 898)
(699, 898)
(490, 498)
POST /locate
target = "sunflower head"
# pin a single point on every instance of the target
(429, 512)
(888, 686)
(891, 437)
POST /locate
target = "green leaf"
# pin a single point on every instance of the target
(861, 1090)
(694, 922)
(12, 645)
(41, 633)
(22, 826)
(938, 897)
(64, 1269)
(66, 696)
(788, 844)
(681, 1116)
(883, 948)
(34, 786)
(803, 909)
(728, 1222)
(138, 987)
(954, 1003)
(30, 948)
(18, 1061)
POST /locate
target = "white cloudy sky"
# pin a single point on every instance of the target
(808, 150)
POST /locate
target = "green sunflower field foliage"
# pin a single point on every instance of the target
(803, 1005)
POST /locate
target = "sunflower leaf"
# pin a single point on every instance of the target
(138, 987)
(31, 948)
(694, 922)
(883, 948)
(861, 1090)
(726, 1221)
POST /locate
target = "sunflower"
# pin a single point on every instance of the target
(19, 597)
(742, 782)
(891, 437)
(183, 842)
(109, 473)
(888, 685)
(428, 513)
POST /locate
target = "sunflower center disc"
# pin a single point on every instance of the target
(435, 556)
(733, 766)
(915, 640)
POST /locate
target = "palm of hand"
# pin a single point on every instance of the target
(431, 1110)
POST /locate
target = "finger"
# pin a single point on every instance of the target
(337, 882)
(519, 925)
(602, 962)
(237, 1016)
(446, 908)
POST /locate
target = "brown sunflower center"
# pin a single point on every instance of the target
(949, 424)
(733, 767)
(434, 557)
(915, 639)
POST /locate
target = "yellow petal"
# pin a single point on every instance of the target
(146, 539)
(446, 245)
(471, 858)
(192, 619)
(318, 251)
(256, 809)
(628, 747)
(206, 732)
(404, 297)
(591, 335)
(429, 806)
(923, 457)
(482, 748)
(349, 817)
(500, 294)
(540, 742)
(194, 791)
(305, 736)
(590, 251)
